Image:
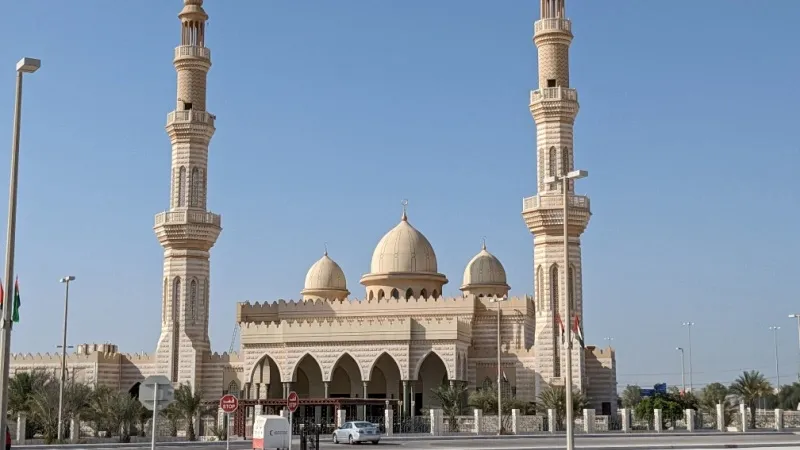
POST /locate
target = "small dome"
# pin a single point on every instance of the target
(325, 274)
(403, 249)
(484, 269)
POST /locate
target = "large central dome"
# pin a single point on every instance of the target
(403, 249)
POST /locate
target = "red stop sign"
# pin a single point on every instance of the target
(228, 403)
(292, 401)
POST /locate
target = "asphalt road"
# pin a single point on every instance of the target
(672, 441)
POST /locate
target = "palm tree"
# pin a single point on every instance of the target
(486, 401)
(189, 405)
(712, 395)
(43, 404)
(789, 396)
(173, 417)
(451, 398)
(750, 387)
(631, 396)
(555, 397)
(20, 392)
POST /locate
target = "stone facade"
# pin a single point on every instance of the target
(403, 338)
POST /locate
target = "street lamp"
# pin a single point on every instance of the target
(777, 366)
(689, 326)
(25, 65)
(797, 316)
(499, 300)
(565, 179)
(608, 341)
(66, 281)
(683, 368)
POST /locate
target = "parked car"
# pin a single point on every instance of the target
(356, 432)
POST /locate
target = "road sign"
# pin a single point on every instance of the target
(292, 401)
(228, 403)
(156, 389)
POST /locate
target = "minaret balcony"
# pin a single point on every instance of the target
(554, 202)
(188, 217)
(554, 94)
(545, 213)
(551, 25)
(190, 117)
(192, 51)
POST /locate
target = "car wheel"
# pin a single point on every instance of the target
(335, 440)
(350, 439)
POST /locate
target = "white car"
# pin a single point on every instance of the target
(356, 433)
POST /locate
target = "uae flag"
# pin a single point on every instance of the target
(561, 328)
(17, 302)
(576, 328)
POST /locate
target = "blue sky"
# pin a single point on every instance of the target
(330, 113)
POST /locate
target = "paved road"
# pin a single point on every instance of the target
(672, 441)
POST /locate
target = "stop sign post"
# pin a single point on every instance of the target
(292, 401)
(228, 404)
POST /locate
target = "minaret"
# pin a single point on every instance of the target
(187, 231)
(554, 107)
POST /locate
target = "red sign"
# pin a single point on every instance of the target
(228, 403)
(292, 401)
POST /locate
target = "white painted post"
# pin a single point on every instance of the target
(778, 419)
(657, 423)
(22, 425)
(625, 415)
(721, 418)
(515, 421)
(341, 417)
(155, 416)
(478, 415)
(588, 421)
(388, 421)
(551, 420)
(743, 415)
(690, 419)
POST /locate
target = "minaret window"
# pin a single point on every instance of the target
(552, 165)
(192, 299)
(165, 300)
(554, 305)
(551, 83)
(381, 295)
(176, 298)
(423, 293)
(197, 185)
(571, 290)
(435, 294)
(182, 187)
(540, 288)
(564, 161)
(395, 294)
(371, 295)
(409, 293)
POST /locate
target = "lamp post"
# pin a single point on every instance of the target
(608, 341)
(499, 300)
(689, 326)
(797, 317)
(66, 281)
(777, 366)
(565, 179)
(25, 65)
(683, 368)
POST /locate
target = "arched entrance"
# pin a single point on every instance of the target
(432, 374)
(384, 382)
(346, 382)
(265, 380)
(307, 378)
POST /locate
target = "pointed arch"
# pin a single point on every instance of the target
(176, 298)
(552, 162)
(182, 186)
(336, 364)
(380, 355)
(395, 294)
(165, 301)
(196, 187)
(270, 360)
(564, 161)
(193, 300)
(409, 293)
(435, 294)
(293, 374)
(571, 289)
(421, 361)
(381, 295)
(423, 293)
(540, 288)
(233, 388)
(371, 295)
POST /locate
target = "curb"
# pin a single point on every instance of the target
(612, 435)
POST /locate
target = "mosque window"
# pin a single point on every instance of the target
(554, 288)
(551, 83)
(423, 293)
(233, 388)
(371, 295)
(182, 187)
(540, 288)
(571, 288)
(409, 293)
(192, 299)
(395, 293)
(176, 298)
(381, 295)
(565, 161)
(552, 164)
(196, 183)
(165, 300)
(487, 384)
(435, 294)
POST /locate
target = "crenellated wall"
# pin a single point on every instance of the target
(601, 374)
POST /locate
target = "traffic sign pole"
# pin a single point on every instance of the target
(155, 416)
(228, 432)
(292, 402)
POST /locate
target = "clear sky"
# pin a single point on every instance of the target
(330, 113)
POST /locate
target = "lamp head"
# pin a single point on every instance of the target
(67, 279)
(28, 65)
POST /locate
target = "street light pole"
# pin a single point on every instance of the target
(574, 175)
(66, 281)
(683, 369)
(608, 341)
(499, 300)
(25, 65)
(777, 366)
(797, 317)
(689, 326)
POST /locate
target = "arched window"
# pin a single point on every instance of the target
(196, 186)
(381, 295)
(371, 295)
(565, 161)
(233, 388)
(552, 166)
(423, 293)
(206, 296)
(193, 299)
(164, 300)
(435, 294)
(540, 288)
(182, 187)
(488, 384)
(556, 308)
(571, 288)
(395, 294)
(554, 304)
(409, 293)
(176, 298)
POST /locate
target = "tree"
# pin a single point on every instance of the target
(671, 409)
(114, 412)
(789, 396)
(20, 391)
(189, 405)
(631, 396)
(451, 398)
(749, 388)
(555, 397)
(712, 395)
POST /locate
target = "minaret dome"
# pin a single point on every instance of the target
(485, 276)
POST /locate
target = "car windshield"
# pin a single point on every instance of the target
(363, 425)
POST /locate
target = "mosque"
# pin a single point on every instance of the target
(402, 338)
